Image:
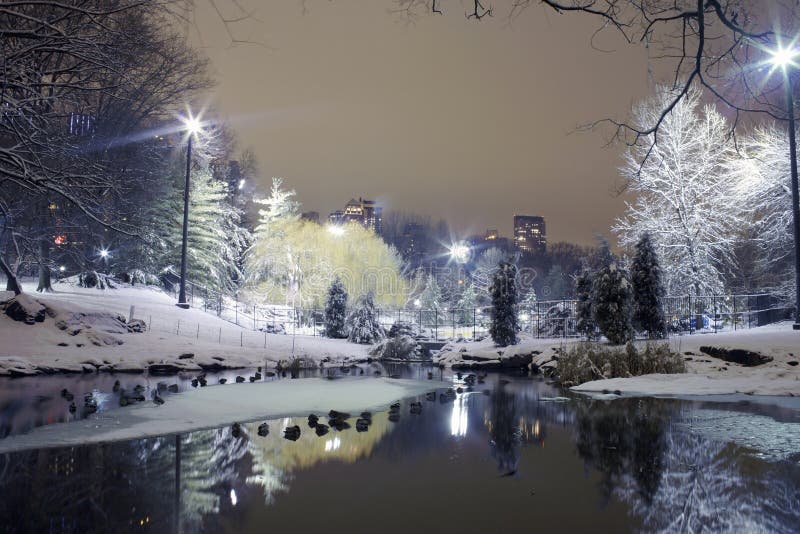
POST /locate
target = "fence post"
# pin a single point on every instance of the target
(241, 339)
(198, 331)
(474, 319)
(714, 303)
(538, 320)
(453, 327)
(178, 331)
(236, 308)
(734, 312)
(314, 321)
(219, 339)
(254, 317)
(436, 324)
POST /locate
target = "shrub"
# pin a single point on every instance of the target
(585, 362)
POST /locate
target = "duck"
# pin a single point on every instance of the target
(291, 433)
(321, 429)
(263, 429)
(312, 420)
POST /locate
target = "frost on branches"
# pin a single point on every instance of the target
(336, 310)
(648, 290)
(612, 303)
(503, 290)
(685, 199)
(363, 322)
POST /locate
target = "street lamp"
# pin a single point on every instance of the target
(459, 252)
(784, 58)
(336, 229)
(192, 126)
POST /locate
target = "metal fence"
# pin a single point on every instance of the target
(545, 319)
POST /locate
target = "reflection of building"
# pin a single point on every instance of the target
(530, 236)
(367, 213)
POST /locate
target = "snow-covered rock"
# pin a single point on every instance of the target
(25, 308)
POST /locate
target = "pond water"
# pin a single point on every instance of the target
(510, 455)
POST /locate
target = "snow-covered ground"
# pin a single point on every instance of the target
(706, 375)
(172, 332)
(215, 406)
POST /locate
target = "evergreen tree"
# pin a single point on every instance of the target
(336, 310)
(583, 308)
(431, 296)
(503, 290)
(612, 303)
(648, 289)
(555, 285)
(363, 322)
(466, 305)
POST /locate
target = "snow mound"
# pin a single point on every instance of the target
(24, 308)
(696, 384)
(216, 406)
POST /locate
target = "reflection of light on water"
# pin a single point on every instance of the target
(458, 420)
(332, 444)
(536, 429)
(234, 499)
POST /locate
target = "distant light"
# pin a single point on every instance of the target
(104, 253)
(784, 57)
(62, 268)
(234, 498)
(241, 183)
(336, 229)
(417, 303)
(459, 252)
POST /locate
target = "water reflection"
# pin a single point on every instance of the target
(582, 465)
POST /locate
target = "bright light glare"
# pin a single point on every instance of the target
(192, 125)
(234, 498)
(62, 268)
(103, 253)
(241, 183)
(336, 230)
(459, 252)
(417, 303)
(783, 57)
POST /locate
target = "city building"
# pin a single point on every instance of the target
(530, 235)
(367, 213)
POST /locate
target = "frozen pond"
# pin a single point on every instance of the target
(510, 455)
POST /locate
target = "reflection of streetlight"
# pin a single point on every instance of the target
(459, 252)
(783, 58)
(336, 229)
(192, 126)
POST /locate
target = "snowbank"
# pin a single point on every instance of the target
(215, 406)
(484, 355)
(762, 383)
(84, 330)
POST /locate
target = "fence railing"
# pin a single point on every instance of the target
(551, 318)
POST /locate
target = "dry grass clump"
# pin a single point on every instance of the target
(591, 361)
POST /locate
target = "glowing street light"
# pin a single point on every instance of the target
(193, 126)
(784, 58)
(104, 253)
(459, 252)
(336, 229)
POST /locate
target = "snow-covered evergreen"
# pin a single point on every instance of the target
(431, 296)
(362, 322)
(648, 289)
(336, 310)
(465, 307)
(503, 290)
(584, 324)
(612, 303)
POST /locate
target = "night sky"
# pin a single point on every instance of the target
(469, 121)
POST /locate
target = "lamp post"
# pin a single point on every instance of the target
(192, 127)
(785, 58)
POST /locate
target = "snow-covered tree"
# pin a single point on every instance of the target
(483, 271)
(279, 206)
(363, 324)
(685, 197)
(584, 323)
(336, 310)
(216, 238)
(503, 290)
(465, 307)
(431, 296)
(612, 303)
(648, 290)
(764, 187)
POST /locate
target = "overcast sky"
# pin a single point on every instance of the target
(470, 121)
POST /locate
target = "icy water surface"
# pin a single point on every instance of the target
(510, 455)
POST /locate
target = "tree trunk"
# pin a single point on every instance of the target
(12, 284)
(44, 267)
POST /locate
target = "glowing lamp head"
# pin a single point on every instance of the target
(62, 268)
(192, 125)
(459, 252)
(784, 57)
(104, 253)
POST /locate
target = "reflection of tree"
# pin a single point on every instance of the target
(503, 430)
(677, 481)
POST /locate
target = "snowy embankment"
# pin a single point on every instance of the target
(84, 330)
(706, 375)
(215, 406)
